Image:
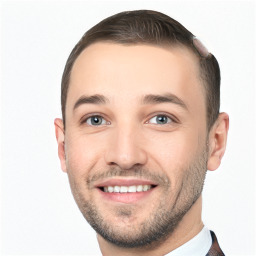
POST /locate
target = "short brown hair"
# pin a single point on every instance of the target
(153, 28)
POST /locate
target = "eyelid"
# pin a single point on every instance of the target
(169, 120)
(173, 118)
(86, 117)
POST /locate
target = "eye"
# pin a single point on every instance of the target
(160, 119)
(95, 121)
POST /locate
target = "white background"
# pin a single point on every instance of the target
(39, 215)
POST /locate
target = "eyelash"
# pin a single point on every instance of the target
(170, 118)
(93, 116)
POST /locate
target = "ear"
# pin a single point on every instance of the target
(60, 136)
(218, 141)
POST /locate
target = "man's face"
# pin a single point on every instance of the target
(135, 139)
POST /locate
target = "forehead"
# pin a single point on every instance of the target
(129, 71)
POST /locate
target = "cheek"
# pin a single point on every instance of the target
(174, 154)
(175, 147)
(82, 153)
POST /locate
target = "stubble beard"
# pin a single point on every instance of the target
(160, 223)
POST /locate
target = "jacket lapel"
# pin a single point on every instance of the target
(215, 248)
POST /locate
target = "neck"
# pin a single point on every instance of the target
(190, 226)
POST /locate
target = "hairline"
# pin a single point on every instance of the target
(165, 44)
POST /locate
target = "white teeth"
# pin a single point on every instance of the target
(117, 189)
(145, 188)
(123, 189)
(127, 189)
(132, 189)
(109, 189)
(139, 188)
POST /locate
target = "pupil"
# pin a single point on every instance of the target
(162, 119)
(96, 120)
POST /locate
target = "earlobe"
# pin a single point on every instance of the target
(218, 141)
(60, 137)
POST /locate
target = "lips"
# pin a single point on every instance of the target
(140, 184)
(125, 190)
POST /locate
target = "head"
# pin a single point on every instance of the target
(150, 28)
(141, 126)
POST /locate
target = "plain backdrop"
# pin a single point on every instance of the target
(38, 213)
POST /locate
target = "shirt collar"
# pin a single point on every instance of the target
(197, 246)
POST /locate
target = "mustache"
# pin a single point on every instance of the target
(137, 172)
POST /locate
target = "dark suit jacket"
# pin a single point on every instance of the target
(215, 248)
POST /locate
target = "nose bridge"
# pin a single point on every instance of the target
(126, 147)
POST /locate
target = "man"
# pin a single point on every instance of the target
(140, 128)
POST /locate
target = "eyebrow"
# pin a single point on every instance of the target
(165, 98)
(93, 99)
(147, 99)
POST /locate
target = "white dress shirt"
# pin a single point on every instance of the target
(197, 246)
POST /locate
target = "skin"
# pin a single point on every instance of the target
(131, 139)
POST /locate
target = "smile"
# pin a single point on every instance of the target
(127, 189)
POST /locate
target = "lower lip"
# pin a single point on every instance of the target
(126, 198)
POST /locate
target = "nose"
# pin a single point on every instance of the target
(125, 149)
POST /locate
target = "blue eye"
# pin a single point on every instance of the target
(160, 119)
(95, 121)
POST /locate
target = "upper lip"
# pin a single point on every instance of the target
(123, 182)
